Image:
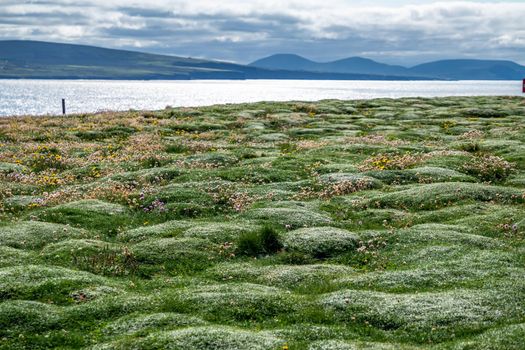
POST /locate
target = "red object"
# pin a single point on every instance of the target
(523, 86)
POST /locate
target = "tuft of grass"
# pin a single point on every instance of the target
(265, 241)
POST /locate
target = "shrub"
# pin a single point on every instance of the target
(471, 147)
(249, 244)
(270, 240)
(46, 158)
(489, 168)
(177, 148)
(390, 162)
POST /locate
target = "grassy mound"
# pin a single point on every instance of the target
(196, 338)
(434, 196)
(289, 276)
(233, 302)
(289, 217)
(419, 314)
(42, 283)
(36, 234)
(320, 241)
(140, 323)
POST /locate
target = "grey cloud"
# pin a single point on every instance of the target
(145, 12)
(243, 31)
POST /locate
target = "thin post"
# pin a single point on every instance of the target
(64, 106)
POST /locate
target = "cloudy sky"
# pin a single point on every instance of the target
(397, 31)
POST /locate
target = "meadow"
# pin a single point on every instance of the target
(334, 225)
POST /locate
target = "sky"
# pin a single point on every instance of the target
(397, 31)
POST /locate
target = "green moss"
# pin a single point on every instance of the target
(420, 175)
(438, 195)
(342, 345)
(221, 232)
(8, 168)
(12, 256)
(142, 323)
(93, 214)
(507, 337)
(27, 316)
(178, 255)
(289, 217)
(43, 283)
(419, 314)
(320, 241)
(289, 276)
(196, 338)
(240, 302)
(36, 234)
(163, 230)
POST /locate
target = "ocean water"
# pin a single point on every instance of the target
(41, 97)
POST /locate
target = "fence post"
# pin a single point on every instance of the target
(64, 106)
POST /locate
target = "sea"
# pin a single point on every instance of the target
(44, 97)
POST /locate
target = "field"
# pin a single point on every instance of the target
(335, 225)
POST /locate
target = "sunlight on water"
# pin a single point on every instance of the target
(20, 97)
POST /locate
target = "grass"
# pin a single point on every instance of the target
(378, 224)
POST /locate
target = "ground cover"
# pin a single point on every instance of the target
(375, 224)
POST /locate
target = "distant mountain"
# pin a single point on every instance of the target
(44, 60)
(460, 69)
(471, 70)
(348, 65)
(286, 61)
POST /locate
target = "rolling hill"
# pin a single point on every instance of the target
(44, 60)
(471, 69)
(348, 65)
(460, 69)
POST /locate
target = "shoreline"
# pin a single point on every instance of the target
(77, 114)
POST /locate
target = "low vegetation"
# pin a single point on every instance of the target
(378, 224)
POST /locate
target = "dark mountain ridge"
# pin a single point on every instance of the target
(44, 60)
(460, 69)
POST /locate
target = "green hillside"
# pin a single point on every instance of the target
(44, 60)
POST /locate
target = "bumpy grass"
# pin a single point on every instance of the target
(381, 224)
